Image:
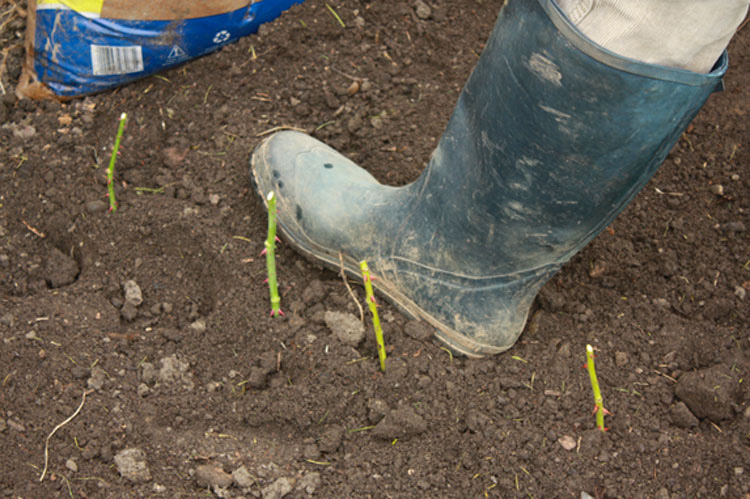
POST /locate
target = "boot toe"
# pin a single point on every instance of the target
(324, 200)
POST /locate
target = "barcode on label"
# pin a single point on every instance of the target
(106, 60)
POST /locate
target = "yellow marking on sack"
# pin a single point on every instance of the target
(83, 6)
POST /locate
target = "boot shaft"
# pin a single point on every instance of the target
(551, 137)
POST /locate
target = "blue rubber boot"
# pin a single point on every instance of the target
(551, 137)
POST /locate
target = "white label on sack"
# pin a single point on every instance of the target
(107, 60)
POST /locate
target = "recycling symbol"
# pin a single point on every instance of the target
(221, 36)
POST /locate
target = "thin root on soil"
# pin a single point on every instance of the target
(46, 442)
(348, 288)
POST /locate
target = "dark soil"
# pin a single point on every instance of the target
(201, 382)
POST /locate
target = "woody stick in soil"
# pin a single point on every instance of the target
(370, 297)
(270, 252)
(599, 409)
(112, 160)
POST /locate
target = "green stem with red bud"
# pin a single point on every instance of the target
(370, 297)
(112, 160)
(598, 400)
(270, 251)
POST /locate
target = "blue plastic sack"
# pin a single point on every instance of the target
(78, 47)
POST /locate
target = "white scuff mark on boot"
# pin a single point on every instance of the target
(545, 69)
(516, 211)
(523, 165)
(560, 117)
(491, 233)
(524, 161)
(488, 143)
(516, 206)
(410, 246)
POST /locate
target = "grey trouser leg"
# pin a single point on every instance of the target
(687, 34)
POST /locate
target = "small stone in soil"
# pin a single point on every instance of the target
(309, 483)
(395, 370)
(131, 464)
(198, 326)
(128, 312)
(621, 359)
(143, 389)
(477, 420)
(346, 327)
(550, 300)
(592, 440)
(708, 393)
(564, 351)
(148, 372)
(79, 372)
(171, 334)
(96, 206)
(24, 132)
(7, 320)
(242, 478)
(97, 379)
(313, 293)
(133, 293)
(422, 10)
(682, 417)
(733, 227)
(567, 442)
(16, 426)
(377, 410)
(331, 438)
(279, 488)
(424, 382)
(172, 157)
(173, 370)
(208, 475)
(257, 378)
(89, 452)
(400, 423)
(61, 269)
(311, 451)
(269, 362)
(418, 330)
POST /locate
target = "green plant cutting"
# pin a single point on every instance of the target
(599, 409)
(270, 252)
(112, 160)
(370, 297)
